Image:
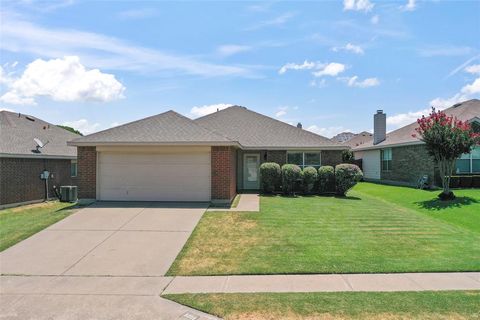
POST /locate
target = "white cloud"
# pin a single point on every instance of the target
(368, 82)
(306, 65)
(350, 47)
(402, 119)
(375, 19)
(83, 125)
(473, 88)
(410, 6)
(207, 109)
(6, 109)
(62, 80)
(282, 111)
(330, 69)
(101, 51)
(357, 5)
(328, 131)
(319, 83)
(231, 49)
(474, 69)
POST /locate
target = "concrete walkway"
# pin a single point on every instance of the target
(327, 283)
(248, 202)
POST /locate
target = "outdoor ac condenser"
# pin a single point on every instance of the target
(69, 193)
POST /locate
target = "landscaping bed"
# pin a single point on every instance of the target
(377, 228)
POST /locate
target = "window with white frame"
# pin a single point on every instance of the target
(469, 162)
(73, 168)
(386, 159)
(304, 158)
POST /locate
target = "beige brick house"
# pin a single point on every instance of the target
(169, 157)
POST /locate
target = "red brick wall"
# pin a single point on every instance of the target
(87, 172)
(223, 173)
(20, 178)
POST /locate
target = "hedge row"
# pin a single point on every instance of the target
(291, 178)
(465, 182)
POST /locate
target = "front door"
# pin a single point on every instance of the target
(251, 164)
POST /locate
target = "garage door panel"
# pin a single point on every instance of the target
(164, 176)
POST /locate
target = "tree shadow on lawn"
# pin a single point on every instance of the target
(437, 204)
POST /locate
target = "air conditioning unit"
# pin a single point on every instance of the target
(69, 193)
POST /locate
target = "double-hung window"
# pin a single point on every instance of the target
(469, 162)
(386, 159)
(304, 159)
(73, 168)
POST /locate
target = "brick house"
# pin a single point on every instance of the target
(169, 157)
(400, 158)
(21, 162)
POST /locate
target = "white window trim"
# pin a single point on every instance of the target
(76, 168)
(470, 158)
(303, 165)
(382, 152)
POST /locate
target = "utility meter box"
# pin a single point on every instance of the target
(44, 175)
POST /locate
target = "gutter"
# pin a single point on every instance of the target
(393, 145)
(34, 156)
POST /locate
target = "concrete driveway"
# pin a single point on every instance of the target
(107, 239)
(106, 261)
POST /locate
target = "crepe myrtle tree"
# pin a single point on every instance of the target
(446, 139)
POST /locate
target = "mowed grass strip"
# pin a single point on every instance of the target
(19, 223)
(363, 233)
(341, 305)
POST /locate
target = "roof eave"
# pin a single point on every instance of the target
(181, 143)
(297, 148)
(37, 156)
(392, 145)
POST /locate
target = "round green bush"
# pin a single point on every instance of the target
(346, 176)
(270, 176)
(291, 174)
(326, 179)
(310, 176)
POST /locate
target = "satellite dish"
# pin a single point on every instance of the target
(38, 142)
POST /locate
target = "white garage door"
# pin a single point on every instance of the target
(163, 175)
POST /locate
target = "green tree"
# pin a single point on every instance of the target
(70, 129)
(446, 139)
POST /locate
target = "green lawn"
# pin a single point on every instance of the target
(345, 305)
(19, 223)
(376, 228)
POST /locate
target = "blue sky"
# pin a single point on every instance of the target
(327, 64)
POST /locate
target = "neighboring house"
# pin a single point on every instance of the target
(401, 158)
(21, 162)
(169, 157)
(359, 139)
(343, 137)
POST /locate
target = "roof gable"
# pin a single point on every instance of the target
(255, 130)
(17, 132)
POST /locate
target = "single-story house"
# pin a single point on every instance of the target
(400, 157)
(169, 157)
(22, 159)
(359, 139)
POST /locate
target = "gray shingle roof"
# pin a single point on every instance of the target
(17, 133)
(254, 130)
(165, 128)
(359, 139)
(464, 111)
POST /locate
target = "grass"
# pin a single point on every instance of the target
(376, 228)
(345, 305)
(19, 223)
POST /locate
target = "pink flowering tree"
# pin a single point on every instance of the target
(446, 139)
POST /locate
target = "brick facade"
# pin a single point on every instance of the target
(331, 157)
(409, 164)
(87, 172)
(277, 156)
(20, 178)
(223, 162)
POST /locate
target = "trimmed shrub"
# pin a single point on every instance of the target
(326, 179)
(476, 182)
(454, 182)
(270, 175)
(291, 174)
(347, 156)
(346, 176)
(310, 176)
(466, 181)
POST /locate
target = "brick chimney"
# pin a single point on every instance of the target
(299, 125)
(379, 127)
